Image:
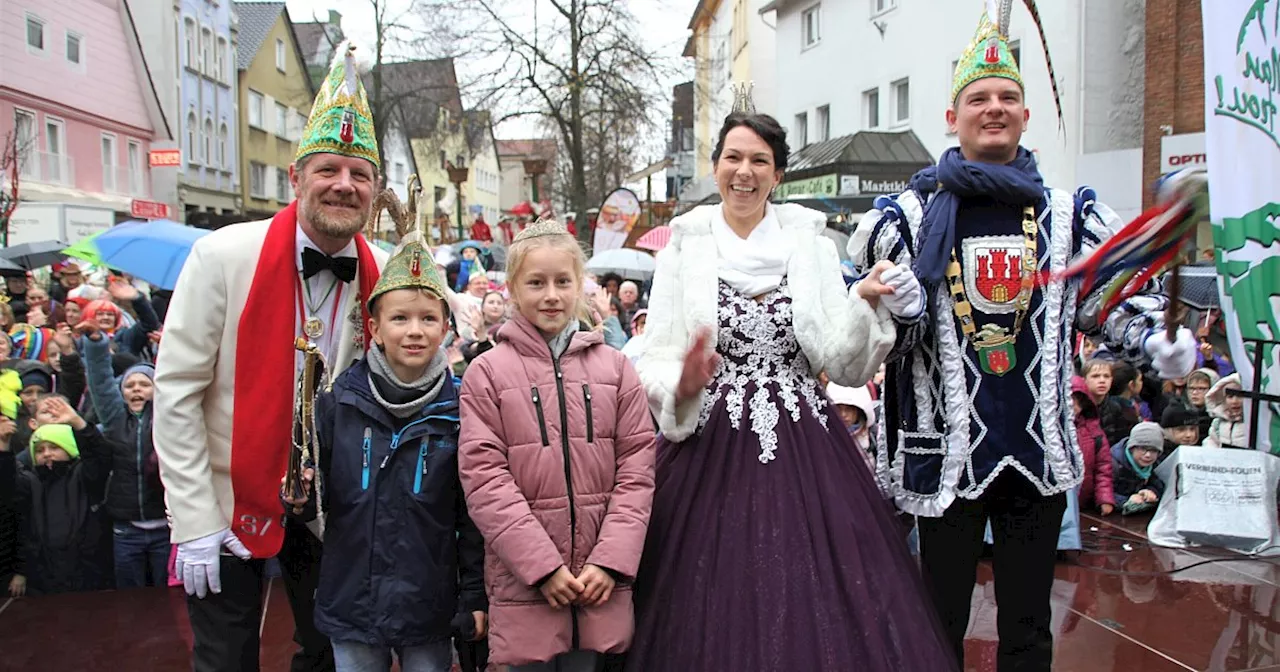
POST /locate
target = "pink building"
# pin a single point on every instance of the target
(75, 95)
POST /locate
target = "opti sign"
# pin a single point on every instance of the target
(1181, 151)
(165, 157)
(148, 209)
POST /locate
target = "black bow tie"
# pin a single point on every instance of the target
(314, 261)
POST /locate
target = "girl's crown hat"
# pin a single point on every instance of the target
(542, 227)
(988, 54)
(341, 121)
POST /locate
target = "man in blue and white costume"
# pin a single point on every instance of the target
(978, 421)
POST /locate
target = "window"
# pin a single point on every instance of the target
(399, 171)
(109, 163)
(444, 160)
(206, 152)
(189, 39)
(879, 7)
(1015, 50)
(24, 124)
(802, 129)
(301, 121)
(461, 162)
(35, 34)
(55, 146)
(824, 123)
(282, 185)
(257, 112)
(257, 180)
(135, 169)
(220, 61)
(871, 108)
(282, 121)
(73, 48)
(280, 56)
(811, 26)
(190, 149)
(206, 52)
(686, 139)
(739, 26)
(224, 139)
(901, 101)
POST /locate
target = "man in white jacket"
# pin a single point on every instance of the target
(226, 379)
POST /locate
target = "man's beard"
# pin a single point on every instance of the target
(313, 211)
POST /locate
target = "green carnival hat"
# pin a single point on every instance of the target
(988, 55)
(411, 267)
(341, 121)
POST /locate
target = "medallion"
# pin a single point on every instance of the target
(313, 328)
(995, 350)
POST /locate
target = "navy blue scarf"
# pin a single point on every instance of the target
(954, 178)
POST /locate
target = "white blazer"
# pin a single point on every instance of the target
(838, 330)
(196, 373)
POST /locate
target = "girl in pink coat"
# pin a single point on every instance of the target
(556, 457)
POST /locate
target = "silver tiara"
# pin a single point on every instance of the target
(742, 103)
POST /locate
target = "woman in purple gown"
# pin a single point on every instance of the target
(770, 547)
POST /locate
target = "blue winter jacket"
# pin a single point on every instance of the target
(401, 555)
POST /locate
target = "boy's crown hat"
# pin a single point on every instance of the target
(411, 267)
(988, 54)
(341, 121)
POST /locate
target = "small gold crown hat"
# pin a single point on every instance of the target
(411, 267)
(543, 227)
(988, 54)
(341, 121)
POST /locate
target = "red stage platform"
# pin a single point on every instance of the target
(1117, 610)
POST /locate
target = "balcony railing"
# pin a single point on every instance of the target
(52, 169)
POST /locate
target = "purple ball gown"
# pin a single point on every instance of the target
(770, 547)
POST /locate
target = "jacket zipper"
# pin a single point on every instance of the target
(422, 467)
(568, 482)
(591, 432)
(542, 420)
(395, 439)
(137, 444)
(365, 446)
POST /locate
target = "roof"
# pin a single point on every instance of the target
(541, 147)
(862, 148)
(256, 21)
(310, 36)
(418, 89)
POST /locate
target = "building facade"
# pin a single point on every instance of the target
(275, 99)
(517, 183)
(79, 112)
(190, 49)
(906, 58)
(484, 179)
(731, 42)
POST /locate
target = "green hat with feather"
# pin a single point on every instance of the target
(411, 267)
(341, 121)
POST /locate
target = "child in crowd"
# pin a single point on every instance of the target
(401, 556)
(59, 537)
(1227, 428)
(1137, 488)
(1096, 488)
(857, 412)
(557, 462)
(135, 494)
(1181, 428)
(1122, 408)
(1198, 385)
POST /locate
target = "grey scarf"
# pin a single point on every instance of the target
(403, 399)
(560, 342)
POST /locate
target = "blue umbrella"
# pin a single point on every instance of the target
(153, 250)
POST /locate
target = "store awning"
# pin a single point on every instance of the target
(46, 193)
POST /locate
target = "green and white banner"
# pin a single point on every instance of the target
(1242, 141)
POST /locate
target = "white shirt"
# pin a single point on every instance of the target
(319, 284)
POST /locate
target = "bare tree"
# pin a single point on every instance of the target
(10, 171)
(579, 65)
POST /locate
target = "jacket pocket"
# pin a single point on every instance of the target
(922, 457)
(591, 431)
(542, 419)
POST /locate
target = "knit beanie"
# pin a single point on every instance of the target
(38, 375)
(1176, 415)
(145, 369)
(121, 362)
(1147, 435)
(61, 436)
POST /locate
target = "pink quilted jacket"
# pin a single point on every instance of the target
(557, 465)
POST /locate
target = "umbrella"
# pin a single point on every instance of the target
(656, 239)
(86, 250)
(35, 255)
(630, 264)
(153, 250)
(8, 268)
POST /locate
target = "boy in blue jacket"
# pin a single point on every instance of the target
(401, 555)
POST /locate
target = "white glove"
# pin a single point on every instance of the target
(907, 299)
(197, 561)
(1172, 360)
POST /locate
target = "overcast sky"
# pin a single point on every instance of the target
(662, 23)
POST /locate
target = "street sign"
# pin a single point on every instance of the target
(148, 209)
(165, 157)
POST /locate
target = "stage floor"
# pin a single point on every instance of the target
(1117, 609)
